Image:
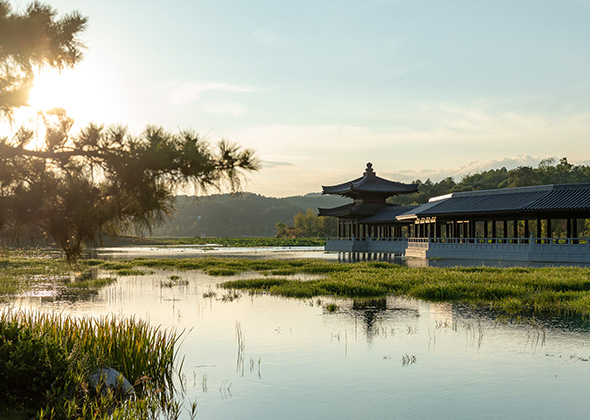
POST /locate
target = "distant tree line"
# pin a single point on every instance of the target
(549, 171)
(308, 225)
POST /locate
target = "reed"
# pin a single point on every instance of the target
(145, 355)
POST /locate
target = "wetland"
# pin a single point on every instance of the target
(309, 338)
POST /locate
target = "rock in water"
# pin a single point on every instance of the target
(110, 378)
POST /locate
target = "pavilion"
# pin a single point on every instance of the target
(544, 223)
(358, 229)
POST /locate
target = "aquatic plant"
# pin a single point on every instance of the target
(332, 307)
(559, 290)
(69, 349)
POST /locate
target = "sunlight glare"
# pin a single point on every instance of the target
(77, 91)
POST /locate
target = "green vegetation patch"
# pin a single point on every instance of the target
(552, 290)
(46, 360)
(23, 275)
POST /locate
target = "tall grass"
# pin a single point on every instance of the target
(145, 355)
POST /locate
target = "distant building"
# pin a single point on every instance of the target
(546, 223)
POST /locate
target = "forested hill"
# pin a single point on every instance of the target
(547, 172)
(239, 215)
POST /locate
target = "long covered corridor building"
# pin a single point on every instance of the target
(545, 223)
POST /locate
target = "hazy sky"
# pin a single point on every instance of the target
(421, 88)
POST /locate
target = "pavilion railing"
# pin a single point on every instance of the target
(352, 238)
(539, 241)
(477, 240)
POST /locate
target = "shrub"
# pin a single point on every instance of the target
(29, 364)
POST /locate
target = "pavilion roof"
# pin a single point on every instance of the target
(370, 183)
(536, 199)
(388, 214)
(356, 210)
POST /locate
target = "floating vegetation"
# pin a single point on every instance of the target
(408, 359)
(554, 290)
(50, 278)
(173, 281)
(332, 307)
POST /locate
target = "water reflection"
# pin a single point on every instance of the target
(195, 251)
(267, 357)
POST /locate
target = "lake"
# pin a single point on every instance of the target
(264, 357)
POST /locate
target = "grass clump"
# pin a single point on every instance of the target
(19, 276)
(46, 360)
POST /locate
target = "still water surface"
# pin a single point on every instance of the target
(263, 357)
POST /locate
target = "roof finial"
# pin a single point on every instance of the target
(369, 170)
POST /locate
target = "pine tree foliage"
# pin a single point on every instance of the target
(33, 39)
(75, 187)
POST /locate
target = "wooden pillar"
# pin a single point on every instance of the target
(515, 228)
(574, 228)
(569, 228)
(549, 230)
(493, 228)
(505, 228)
(527, 231)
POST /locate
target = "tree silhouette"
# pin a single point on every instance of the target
(104, 180)
(75, 187)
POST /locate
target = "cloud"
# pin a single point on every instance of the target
(458, 172)
(181, 93)
(421, 141)
(267, 164)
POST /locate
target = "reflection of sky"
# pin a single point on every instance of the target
(300, 361)
(188, 251)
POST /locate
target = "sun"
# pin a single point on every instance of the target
(77, 91)
(53, 89)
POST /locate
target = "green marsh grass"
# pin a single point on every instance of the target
(145, 355)
(557, 290)
(20, 275)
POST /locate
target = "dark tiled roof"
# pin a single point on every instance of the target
(542, 198)
(388, 214)
(358, 210)
(370, 183)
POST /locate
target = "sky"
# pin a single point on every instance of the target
(420, 88)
